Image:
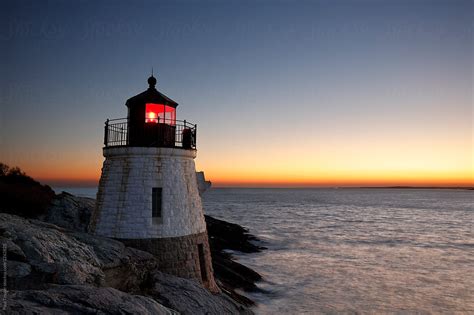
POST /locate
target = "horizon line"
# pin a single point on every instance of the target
(468, 187)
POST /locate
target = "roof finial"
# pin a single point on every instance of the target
(152, 80)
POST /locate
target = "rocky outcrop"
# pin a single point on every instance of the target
(226, 235)
(177, 292)
(81, 299)
(73, 212)
(42, 253)
(50, 268)
(230, 274)
(54, 266)
(69, 211)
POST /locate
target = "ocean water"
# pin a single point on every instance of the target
(357, 250)
(78, 191)
(350, 251)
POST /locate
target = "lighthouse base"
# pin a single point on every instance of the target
(149, 199)
(185, 256)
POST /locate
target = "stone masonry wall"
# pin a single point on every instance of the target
(124, 198)
(180, 256)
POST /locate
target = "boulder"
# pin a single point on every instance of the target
(40, 253)
(70, 212)
(48, 253)
(188, 297)
(124, 268)
(226, 235)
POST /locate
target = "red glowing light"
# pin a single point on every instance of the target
(159, 113)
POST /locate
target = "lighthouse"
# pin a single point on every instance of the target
(148, 196)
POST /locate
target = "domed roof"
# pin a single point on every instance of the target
(152, 81)
(151, 95)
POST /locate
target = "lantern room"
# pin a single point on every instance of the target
(151, 122)
(151, 118)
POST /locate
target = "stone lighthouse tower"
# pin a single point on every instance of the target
(148, 196)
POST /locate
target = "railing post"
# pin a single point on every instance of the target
(182, 133)
(106, 132)
(195, 135)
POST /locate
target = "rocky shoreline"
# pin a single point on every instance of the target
(55, 267)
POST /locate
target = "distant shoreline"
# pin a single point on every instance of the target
(414, 187)
(348, 187)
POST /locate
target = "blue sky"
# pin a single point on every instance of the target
(254, 75)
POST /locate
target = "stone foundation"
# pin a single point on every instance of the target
(185, 256)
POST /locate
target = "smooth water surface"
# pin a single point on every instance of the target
(357, 250)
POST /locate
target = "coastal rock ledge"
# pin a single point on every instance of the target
(64, 270)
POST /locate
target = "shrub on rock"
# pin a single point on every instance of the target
(21, 194)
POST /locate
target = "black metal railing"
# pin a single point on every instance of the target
(174, 134)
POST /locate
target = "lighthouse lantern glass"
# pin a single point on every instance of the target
(159, 113)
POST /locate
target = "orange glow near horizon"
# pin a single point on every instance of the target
(354, 180)
(391, 157)
(231, 181)
(241, 164)
(295, 177)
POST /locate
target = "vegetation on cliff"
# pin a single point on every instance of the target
(21, 194)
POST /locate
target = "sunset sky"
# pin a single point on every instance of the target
(304, 93)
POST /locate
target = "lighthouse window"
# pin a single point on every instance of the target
(156, 202)
(159, 113)
(152, 113)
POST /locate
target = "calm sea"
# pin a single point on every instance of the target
(356, 250)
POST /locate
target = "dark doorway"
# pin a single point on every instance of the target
(202, 262)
